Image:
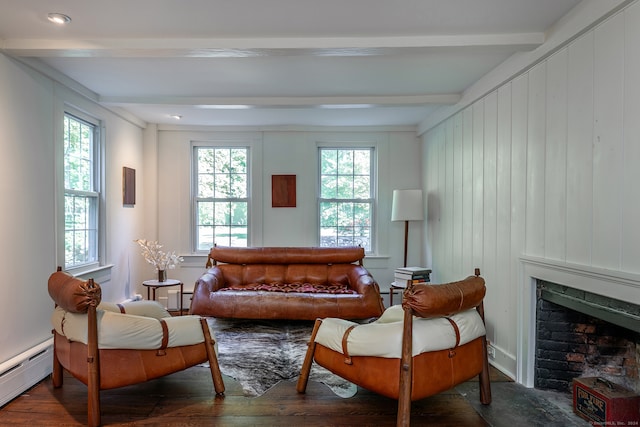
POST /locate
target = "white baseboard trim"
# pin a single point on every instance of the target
(22, 372)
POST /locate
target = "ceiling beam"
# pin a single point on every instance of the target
(247, 47)
(289, 102)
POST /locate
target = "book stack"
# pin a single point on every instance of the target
(405, 276)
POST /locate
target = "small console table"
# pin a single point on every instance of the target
(155, 284)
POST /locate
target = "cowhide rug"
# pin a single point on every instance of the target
(260, 353)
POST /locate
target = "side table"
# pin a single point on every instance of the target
(391, 289)
(155, 284)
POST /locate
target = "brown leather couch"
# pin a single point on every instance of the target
(286, 283)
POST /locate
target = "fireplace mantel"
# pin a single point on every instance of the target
(619, 285)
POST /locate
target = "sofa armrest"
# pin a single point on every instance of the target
(211, 281)
(360, 280)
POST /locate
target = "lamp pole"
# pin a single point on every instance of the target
(406, 239)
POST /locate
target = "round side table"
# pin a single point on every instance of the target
(155, 284)
(392, 288)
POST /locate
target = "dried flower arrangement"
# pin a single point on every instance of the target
(161, 260)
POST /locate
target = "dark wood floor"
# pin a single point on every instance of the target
(187, 399)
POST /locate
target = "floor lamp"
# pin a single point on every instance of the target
(407, 206)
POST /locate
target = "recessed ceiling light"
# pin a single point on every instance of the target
(58, 18)
(176, 116)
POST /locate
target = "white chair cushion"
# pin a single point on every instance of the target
(127, 331)
(144, 308)
(383, 338)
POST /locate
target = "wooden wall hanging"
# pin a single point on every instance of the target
(283, 191)
(128, 186)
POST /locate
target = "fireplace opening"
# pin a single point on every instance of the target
(579, 334)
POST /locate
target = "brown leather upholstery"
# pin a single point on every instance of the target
(73, 294)
(443, 300)
(413, 377)
(102, 369)
(228, 287)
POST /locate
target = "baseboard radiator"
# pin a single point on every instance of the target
(25, 370)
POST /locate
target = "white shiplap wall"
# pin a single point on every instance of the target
(546, 166)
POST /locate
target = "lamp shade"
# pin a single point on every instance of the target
(407, 205)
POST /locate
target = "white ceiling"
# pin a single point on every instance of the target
(295, 62)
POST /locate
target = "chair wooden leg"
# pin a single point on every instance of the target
(406, 368)
(308, 359)
(484, 379)
(93, 368)
(214, 367)
(56, 373)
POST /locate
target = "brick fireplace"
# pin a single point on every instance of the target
(584, 334)
(581, 334)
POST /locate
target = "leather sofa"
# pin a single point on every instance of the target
(302, 283)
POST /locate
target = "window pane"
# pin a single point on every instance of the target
(345, 162)
(328, 214)
(361, 187)
(239, 185)
(205, 213)
(362, 162)
(222, 213)
(223, 235)
(221, 186)
(205, 161)
(238, 236)
(205, 185)
(205, 238)
(239, 213)
(238, 160)
(329, 187)
(329, 162)
(222, 161)
(345, 187)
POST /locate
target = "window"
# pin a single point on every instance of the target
(222, 196)
(346, 197)
(81, 192)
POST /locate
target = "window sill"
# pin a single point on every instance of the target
(101, 273)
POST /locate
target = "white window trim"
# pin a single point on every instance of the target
(380, 144)
(100, 264)
(254, 190)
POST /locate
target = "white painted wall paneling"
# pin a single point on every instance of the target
(631, 144)
(607, 143)
(549, 170)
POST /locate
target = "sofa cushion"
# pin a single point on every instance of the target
(293, 287)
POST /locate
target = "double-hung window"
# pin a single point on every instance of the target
(346, 197)
(81, 193)
(221, 196)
